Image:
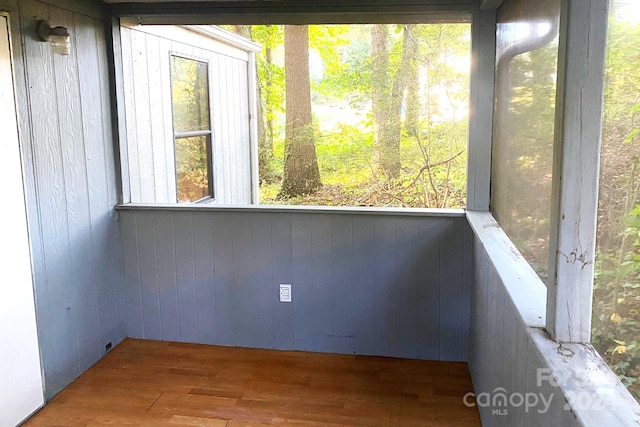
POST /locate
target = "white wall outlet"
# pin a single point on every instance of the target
(285, 293)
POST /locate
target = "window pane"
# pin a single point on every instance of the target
(363, 115)
(526, 66)
(190, 93)
(616, 297)
(192, 162)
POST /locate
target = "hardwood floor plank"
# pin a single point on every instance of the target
(153, 383)
(197, 421)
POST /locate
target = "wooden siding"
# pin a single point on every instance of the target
(365, 284)
(149, 123)
(70, 180)
(511, 355)
(502, 352)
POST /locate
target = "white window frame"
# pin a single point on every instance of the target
(186, 134)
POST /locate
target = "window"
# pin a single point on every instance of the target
(523, 133)
(369, 115)
(191, 128)
(363, 114)
(616, 296)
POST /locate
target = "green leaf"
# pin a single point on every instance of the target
(635, 211)
(631, 136)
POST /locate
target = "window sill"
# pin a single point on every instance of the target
(527, 291)
(589, 388)
(447, 213)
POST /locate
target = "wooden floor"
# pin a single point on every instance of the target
(158, 383)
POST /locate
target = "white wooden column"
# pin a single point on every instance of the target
(581, 56)
(20, 375)
(483, 60)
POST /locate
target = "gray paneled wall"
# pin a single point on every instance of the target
(66, 139)
(366, 284)
(503, 359)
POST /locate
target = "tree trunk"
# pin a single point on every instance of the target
(263, 144)
(301, 173)
(387, 98)
(268, 140)
(413, 105)
(381, 96)
(243, 30)
(409, 53)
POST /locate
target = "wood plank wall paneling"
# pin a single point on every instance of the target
(204, 276)
(69, 173)
(147, 90)
(364, 284)
(429, 296)
(502, 354)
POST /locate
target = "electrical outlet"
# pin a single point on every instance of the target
(285, 293)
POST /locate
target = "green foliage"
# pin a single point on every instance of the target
(351, 77)
(616, 310)
(270, 70)
(190, 94)
(191, 168)
(616, 320)
(328, 41)
(433, 156)
(631, 136)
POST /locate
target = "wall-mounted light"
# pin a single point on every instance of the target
(58, 36)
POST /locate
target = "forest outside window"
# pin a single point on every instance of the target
(192, 128)
(363, 115)
(358, 115)
(616, 314)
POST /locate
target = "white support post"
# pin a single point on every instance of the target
(578, 124)
(483, 60)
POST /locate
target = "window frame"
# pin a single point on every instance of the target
(444, 11)
(197, 133)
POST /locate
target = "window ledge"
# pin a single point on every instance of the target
(527, 291)
(593, 392)
(447, 213)
(590, 389)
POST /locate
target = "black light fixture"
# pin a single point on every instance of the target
(58, 36)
